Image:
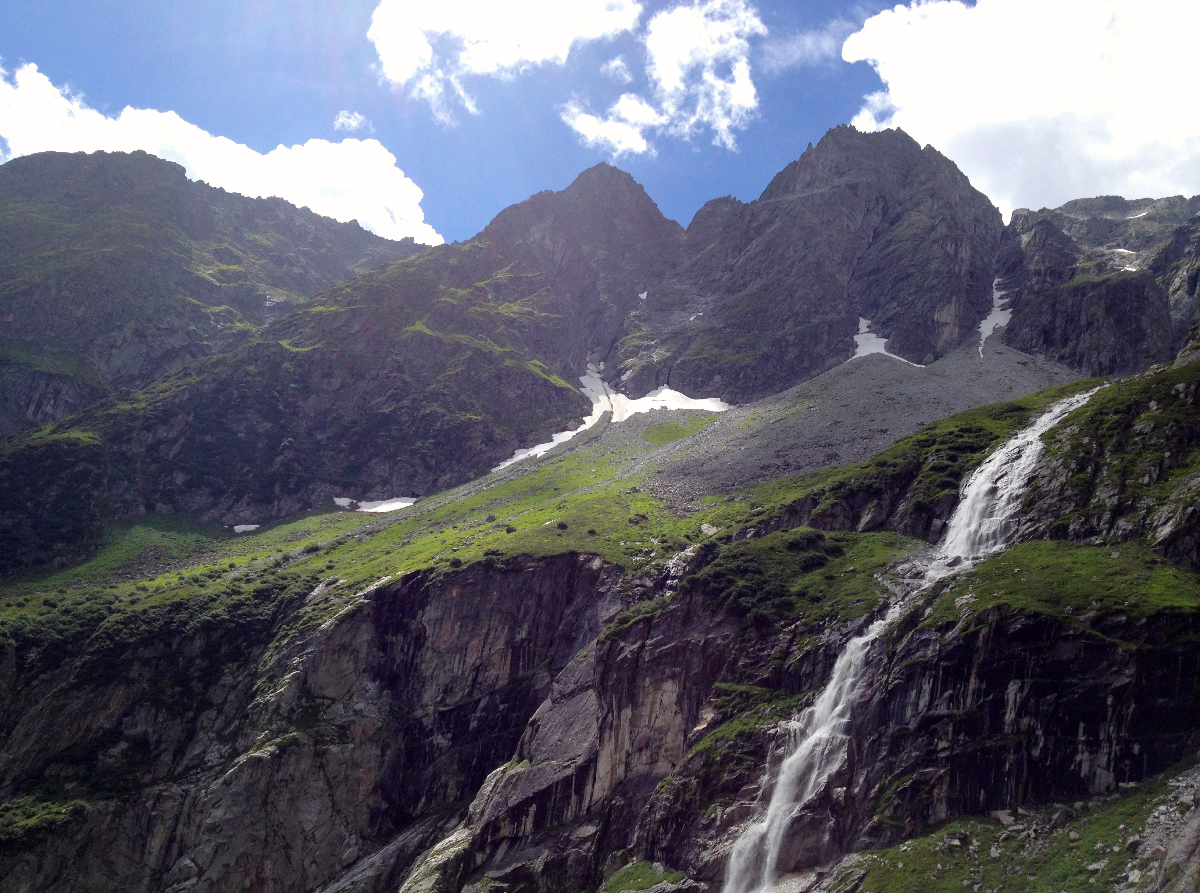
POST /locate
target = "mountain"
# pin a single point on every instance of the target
(1104, 285)
(425, 373)
(769, 293)
(587, 670)
(115, 268)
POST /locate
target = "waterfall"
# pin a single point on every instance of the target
(983, 523)
(985, 520)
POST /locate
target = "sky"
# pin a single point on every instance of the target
(425, 119)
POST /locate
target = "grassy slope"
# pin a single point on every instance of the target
(1094, 834)
(587, 499)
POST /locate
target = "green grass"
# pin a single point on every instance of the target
(639, 876)
(667, 432)
(26, 816)
(800, 573)
(1072, 582)
(1049, 862)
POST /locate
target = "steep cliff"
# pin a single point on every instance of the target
(1104, 285)
(1084, 314)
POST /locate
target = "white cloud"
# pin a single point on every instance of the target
(698, 64)
(353, 179)
(1042, 101)
(617, 70)
(432, 46)
(352, 122)
(622, 130)
(817, 47)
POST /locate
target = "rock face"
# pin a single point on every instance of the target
(1100, 322)
(770, 293)
(323, 745)
(1105, 285)
(115, 268)
(1177, 266)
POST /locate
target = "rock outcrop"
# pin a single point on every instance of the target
(1105, 285)
(1083, 315)
(322, 743)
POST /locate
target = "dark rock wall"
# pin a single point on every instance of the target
(309, 751)
(769, 293)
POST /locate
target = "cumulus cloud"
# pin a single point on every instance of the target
(352, 122)
(817, 47)
(617, 70)
(352, 179)
(622, 130)
(1042, 101)
(698, 65)
(433, 46)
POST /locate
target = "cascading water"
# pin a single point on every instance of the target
(983, 523)
(985, 520)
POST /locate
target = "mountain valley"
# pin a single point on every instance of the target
(583, 671)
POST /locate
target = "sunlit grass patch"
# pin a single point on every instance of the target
(1072, 582)
(667, 432)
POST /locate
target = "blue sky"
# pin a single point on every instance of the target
(542, 97)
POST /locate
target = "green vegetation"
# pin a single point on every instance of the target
(1086, 853)
(668, 432)
(639, 876)
(798, 573)
(1138, 437)
(1071, 582)
(644, 610)
(26, 816)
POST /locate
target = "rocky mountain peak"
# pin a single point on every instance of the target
(845, 154)
(604, 209)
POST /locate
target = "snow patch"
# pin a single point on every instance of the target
(1136, 216)
(644, 295)
(868, 343)
(245, 528)
(377, 507)
(1000, 315)
(622, 407)
(1122, 251)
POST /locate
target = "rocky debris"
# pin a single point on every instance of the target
(1166, 851)
(846, 415)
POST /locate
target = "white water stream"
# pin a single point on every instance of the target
(983, 523)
